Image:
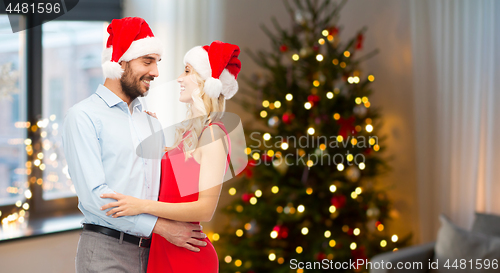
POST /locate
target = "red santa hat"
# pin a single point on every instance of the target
(129, 38)
(218, 65)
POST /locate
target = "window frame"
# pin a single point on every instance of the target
(89, 10)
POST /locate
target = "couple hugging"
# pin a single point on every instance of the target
(125, 228)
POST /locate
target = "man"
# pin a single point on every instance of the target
(102, 138)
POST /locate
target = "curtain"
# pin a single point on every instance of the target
(180, 25)
(456, 63)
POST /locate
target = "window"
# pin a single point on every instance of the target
(12, 112)
(71, 72)
(44, 70)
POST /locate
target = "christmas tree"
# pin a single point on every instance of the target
(309, 192)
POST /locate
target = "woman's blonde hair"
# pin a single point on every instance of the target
(212, 110)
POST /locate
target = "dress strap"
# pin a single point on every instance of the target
(223, 142)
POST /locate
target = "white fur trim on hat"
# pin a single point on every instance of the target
(213, 87)
(142, 47)
(229, 84)
(138, 48)
(112, 70)
(197, 57)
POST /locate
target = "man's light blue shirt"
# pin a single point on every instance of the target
(103, 144)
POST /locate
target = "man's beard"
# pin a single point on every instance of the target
(131, 86)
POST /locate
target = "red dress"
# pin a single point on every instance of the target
(164, 256)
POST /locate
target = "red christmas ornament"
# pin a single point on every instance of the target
(266, 158)
(284, 232)
(288, 117)
(320, 256)
(359, 253)
(338, 201)
(346, 126)
(283, 48)
(313, 98)
(246, 197)
(250, 165)
(333, 31)
(350, 231)
(359, 42)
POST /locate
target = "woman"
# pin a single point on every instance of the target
(197, 160)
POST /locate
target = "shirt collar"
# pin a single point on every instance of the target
(137, 103)
(111, 99)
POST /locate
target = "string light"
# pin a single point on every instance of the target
(333, 188)
(239, 232)
(394, 238)
(332, 209)
(332, 243)
(227, 259)
(347, 54)
(325, 32)
(371, 78)
(383, 243)
(284, 145)
(307, 105)
(335, 61)
(369, 128)
(289, 97)
(361, 166)
(353, 246)
(295, 57)
(272, 257)
(328, 234)
(263, 113)
(321, 41)
(301, 208)
(253, 200)
(274, 234)
(356, 231)
(277, 104)
(310, 131)
(304, 230)
(329, 95)
(316, 83)
(258, 193)
(266, 136)
(275, 189)
(319, 57)
(299, 249)
(237, 263)
(232, 191)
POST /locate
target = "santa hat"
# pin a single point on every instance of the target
(218, 65)
(129, 38)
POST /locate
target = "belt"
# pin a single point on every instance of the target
(138, 241)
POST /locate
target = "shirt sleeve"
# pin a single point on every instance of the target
(83, 155)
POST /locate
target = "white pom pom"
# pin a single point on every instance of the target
(213, 87)
(112, 70)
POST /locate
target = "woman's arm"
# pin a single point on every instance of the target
(213, 165)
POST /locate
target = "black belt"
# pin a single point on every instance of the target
(138, 241)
